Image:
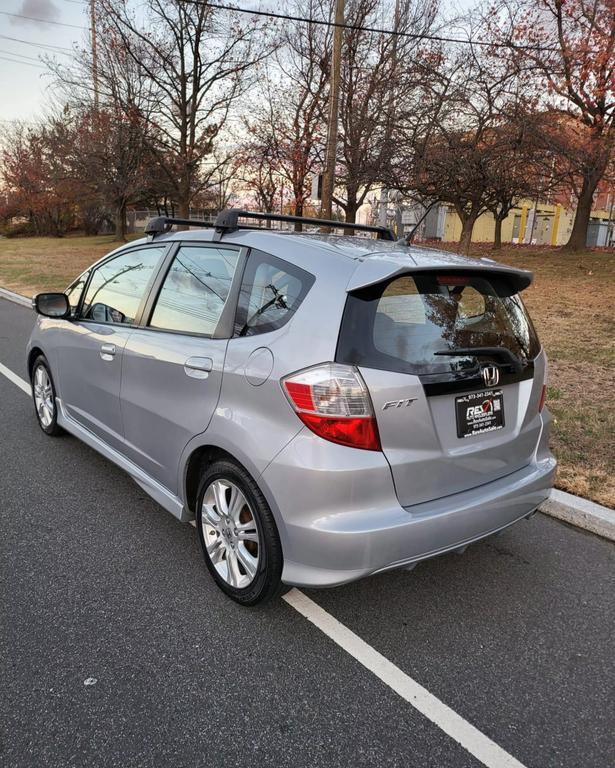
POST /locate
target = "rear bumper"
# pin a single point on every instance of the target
(358, 528)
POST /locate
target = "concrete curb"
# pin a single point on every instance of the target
(580, 512)
(572, 509)
(15, 297)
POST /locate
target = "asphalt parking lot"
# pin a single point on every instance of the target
(118, 650)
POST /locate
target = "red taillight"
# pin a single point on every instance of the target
(543, 397)
(333, 401)
(360, 432)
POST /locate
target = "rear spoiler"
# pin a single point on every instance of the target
(379, 268)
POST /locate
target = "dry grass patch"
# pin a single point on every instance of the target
(29, 265)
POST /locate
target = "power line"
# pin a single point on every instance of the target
(21, 55)
(377, 30)
(25, 63)
(57, 48)
(322, 22)
(42, 21)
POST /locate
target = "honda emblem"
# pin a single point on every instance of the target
(491, 375)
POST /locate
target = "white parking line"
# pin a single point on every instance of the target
(17, 380)
(463, 732)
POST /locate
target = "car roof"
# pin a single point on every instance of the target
(367, 261)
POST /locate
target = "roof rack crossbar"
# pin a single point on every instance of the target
(228, 221)
(161, 224)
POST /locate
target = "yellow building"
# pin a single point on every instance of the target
(542, 224)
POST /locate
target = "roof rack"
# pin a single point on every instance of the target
(228, 221)
(161, 224)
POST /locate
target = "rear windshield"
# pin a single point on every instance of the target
(400, 325)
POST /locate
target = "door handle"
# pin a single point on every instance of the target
(198, 367)
(107, 351)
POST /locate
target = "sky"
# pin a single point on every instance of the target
(25, 84)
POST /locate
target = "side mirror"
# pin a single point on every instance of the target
(51, 304)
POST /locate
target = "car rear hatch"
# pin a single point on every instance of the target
(455, 373)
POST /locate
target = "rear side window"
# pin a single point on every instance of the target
(271, 292)
(195, 290)
(402, 324)
(118, 286)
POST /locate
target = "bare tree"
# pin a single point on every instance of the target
(287, 117)
(199, 62)
(380, 74)
(258, 169)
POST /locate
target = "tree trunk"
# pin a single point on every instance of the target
(183, 200)
(184, 207)
(298, 212)
(497, 238)
(578, 236)
(351, 208)
(467, 226)
(120, 220)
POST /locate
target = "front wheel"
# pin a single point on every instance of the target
(44, 396)
(238, 534)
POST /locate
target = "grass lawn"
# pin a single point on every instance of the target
(571, 301)
(29, 265)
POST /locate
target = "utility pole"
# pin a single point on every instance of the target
(94, 53)
(328, 179)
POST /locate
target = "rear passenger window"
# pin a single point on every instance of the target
(271, 292)
(195, 290)
(118, 286)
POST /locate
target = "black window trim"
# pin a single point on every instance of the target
(86, 273)
(290, 268)
(139, 314)
(224, 327)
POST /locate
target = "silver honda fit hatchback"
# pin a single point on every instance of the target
(326, 406)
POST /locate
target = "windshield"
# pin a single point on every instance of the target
(412, 323)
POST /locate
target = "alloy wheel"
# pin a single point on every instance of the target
(43, 396)
(230, 533)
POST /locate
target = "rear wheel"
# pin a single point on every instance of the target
(44, 395)
(238, 534)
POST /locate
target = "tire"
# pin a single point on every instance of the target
(245, 561)
(44, 397)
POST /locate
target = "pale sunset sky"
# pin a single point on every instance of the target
(26, 86)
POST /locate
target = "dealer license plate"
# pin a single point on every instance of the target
(479, 412)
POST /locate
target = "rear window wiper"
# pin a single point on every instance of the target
(501, 352)
(278, 300)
